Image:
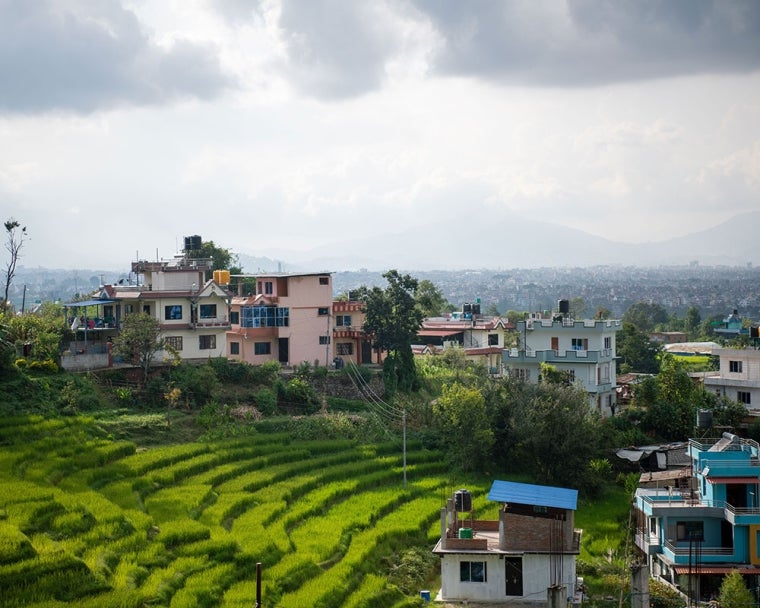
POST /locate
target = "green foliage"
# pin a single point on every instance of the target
(266, 401)
(198, 383)
(734, 592)
(393, 318)
(430, 299)
(412, 568)
(140, 338)
(299, 393)
(664, 596)
(636, 352)
(645, 316)
(460, 412)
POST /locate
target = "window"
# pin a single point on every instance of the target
(324, 339)
(735, 367)
(690, 530)
(322, 311)
(262, 348)
(174, 342)
(234, 348)
(579, 344)
(493, 339)
(743, 397)
(264, 316)
(344, 348)
(571, 376)
(208, 311)
(473, 572)
(206, 342)
(521, 374)
(607, 342)
(265, 287)
(146, 309)
(343, 321)
(128, 309)
(173, 312)
(324, 281)
(235, 318)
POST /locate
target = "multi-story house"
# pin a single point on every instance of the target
(584, 349)
(193, 312)
(526, 555)
(481, 338)
(351, 343)
(738, 377)
(696, 529)
(288, 319)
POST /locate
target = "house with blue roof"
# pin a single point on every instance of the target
(527, 555)
(694, 532)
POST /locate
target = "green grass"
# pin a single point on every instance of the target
(92, 521)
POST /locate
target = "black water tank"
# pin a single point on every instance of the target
(563, 306)
(463, 500)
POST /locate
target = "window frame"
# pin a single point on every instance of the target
(207, 342)
(174, 342)
(744, 397)
(208, 308)
(262, 348)
(468, 574)
(735, 367)
(234, 348)
(170, 312)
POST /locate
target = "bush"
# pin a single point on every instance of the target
(266, 401)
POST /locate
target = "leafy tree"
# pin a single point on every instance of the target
(430, 299)
(555, 433)
(221, 258)
(577, 307)
(393, 319)
(43, 332)
(140, 339)
(636, 351)
(692, 321)
(603, 313)
(466, 434)
(15, 237)
(645, 316)
(552, 375)
(492, 310)
(734, 592)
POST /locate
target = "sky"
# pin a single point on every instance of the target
(284, 125)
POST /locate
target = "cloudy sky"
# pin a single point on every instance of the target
(290, 124)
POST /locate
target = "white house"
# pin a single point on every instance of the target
(738, 378)
(526, 555)
(585, 349)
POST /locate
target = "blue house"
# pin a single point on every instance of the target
(697, 527)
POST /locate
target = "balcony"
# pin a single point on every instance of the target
(680, 553)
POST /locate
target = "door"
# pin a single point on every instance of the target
(513, 576)
(283, 349)
(555, 344)
(366, 356)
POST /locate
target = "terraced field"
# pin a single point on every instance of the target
(99, 523)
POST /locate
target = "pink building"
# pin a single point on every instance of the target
(351, 343)
(288, 320)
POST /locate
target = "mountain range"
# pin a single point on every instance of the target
(518, 243)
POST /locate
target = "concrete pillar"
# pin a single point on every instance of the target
(444, 534)
(639, 586)
(556, 596)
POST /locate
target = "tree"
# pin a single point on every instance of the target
(393, 319)
(734, 592)
(140, 339)
(692, 321)
(636, 351)
(492, 310)
(645, 316)
(221, 258)
(577, 307)
(430, 299)
(15, 235)
(466, 434)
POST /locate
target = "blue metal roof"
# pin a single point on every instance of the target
(87, 303)
(530, 494)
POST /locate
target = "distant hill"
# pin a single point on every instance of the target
(521, 243)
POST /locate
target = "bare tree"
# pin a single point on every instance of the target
(16, 235)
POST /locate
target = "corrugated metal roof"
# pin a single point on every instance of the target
(530, 494)
(87, 303)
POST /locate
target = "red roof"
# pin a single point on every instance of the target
(715, 569)
(438, 332)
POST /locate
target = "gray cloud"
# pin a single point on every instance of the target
(83, 56)
(336, 48)
(592, 42)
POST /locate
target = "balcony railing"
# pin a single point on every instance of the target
(683, 551)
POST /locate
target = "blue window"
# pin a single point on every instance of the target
(173, 313)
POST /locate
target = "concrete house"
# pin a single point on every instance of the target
(695, 531)
(585, 349)
(351, 343)
(482, 338)
(527, 555)
(193, 312)
(738, 378)
(288, 320)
